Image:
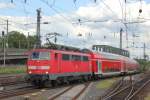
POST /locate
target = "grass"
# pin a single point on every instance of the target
(105, 84)
(12, 70)
(147, 97)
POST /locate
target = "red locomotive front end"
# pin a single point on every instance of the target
(39, 62)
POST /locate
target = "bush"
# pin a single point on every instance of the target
(12, 70)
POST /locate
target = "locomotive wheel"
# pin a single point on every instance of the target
(38, 83)
(96, 77)
(47, 84)
(67, 82)
(89, 78)
(54, 83)
(85, 78)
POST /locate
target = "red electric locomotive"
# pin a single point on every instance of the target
(54, 66)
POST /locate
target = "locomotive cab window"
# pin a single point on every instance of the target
(35, 55)
(40, 56)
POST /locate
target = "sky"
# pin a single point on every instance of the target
(100, 21)
(20, 8)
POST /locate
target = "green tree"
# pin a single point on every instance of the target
(144, 64)
(31, 41)
(17, 40)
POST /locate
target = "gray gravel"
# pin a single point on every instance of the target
(43, 94)
(94, 93)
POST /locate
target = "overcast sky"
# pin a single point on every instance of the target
(100, 21)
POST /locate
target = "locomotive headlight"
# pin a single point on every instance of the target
(30, 72)
(46, 72)
(31, 67)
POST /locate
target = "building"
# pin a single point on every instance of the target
(110, 49)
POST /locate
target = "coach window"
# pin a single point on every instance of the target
(113, 69)
(106, 69)
(65, 57)
(85, 58)
(124, 53)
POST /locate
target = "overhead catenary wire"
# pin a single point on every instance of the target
(14, 26)
(75, 0)
(56, 11)
(121, 6)
(108, 7)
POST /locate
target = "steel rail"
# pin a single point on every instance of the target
(82, 91)
(61, 93)
(123, 89)
(138, 90)
(112, 92)
(21, 91)
(69, 88)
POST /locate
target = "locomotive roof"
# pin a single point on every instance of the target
(70, 52)
(102, 55)
(62, 51)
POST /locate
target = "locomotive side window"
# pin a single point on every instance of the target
(85, 58)
(40, 56)
(65, 57)
(76, 58)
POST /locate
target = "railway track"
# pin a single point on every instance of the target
(15, 92)
(10, 76)
(72, 89)
(11, 80)
(113, 90)
(136, 89)
(14, 85)
(128, 92)
(31, 89)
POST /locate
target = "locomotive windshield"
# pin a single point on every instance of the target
(40, 56)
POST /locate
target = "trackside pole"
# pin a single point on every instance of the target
(131, 79)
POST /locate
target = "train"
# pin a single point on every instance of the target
(48, 66)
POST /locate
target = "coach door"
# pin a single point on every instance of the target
(99, 67)
(122, 66)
